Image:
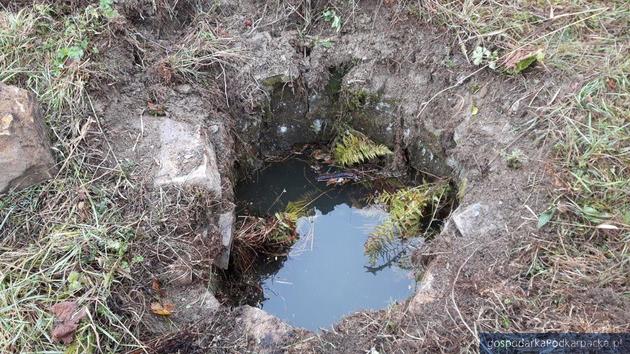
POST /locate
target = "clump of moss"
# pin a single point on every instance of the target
(351, 147)
(515, 159)
(359, 99)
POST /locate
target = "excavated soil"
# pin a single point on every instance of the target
(441, 115)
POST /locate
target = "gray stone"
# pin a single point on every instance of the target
(475, 220)
(226, 224)
(186, 157)
(425, 292)
(266, 331)
(191, 304)
(273, 57)
(423, 157)
(25, 156)
(184, 89)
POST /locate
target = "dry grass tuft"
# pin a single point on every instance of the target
(204, 48)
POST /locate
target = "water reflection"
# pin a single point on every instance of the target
(326, 274)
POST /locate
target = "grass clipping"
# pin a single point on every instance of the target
(411, 213)
(352, 147)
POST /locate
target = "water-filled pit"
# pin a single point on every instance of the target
(327, 273)
(339, 259)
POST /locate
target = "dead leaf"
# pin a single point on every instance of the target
(64, 332)
(320, 155)
(67, 320)
(165, 309)
(157, 288)
(520, 60)
(64, 310)
(165, 72)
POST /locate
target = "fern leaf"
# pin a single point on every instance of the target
(352, 147)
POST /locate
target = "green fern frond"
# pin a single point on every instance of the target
(351, 147)
(408, 209)
(381, 241)
(287, 219)
(300, 207)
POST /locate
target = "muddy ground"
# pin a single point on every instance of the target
(406, 84)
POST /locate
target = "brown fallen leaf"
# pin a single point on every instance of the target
(612, 84)
(165, 71)
(157, 288)
(67, 320)
(162, 309)
(320, 155)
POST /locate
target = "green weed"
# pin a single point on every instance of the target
(49, 54)
(515, 159)
(334, 19)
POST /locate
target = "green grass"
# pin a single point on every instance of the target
(595, 152)
(573, 35)
(591, 224)
(584, 246)
(73, 262)
(48, 52)
(65, 239)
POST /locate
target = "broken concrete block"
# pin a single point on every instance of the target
(186, 157)
(25, 156)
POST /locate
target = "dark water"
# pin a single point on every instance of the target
(326, 275)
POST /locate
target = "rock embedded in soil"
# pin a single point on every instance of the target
(266, 331)
(476, 219)
(186, 157)
(25, 155)
(191, 304)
